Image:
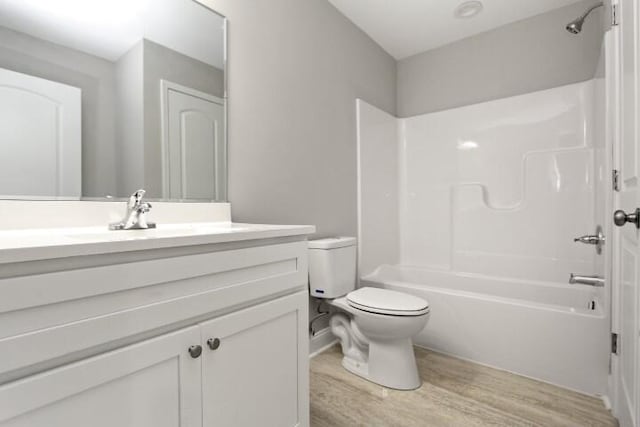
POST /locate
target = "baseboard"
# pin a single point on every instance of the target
(606, 401)
(321, 341)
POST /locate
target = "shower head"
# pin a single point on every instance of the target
(575, 26)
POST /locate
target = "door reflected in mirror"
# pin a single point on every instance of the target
(98, 99)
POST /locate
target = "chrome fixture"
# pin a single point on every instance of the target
(593, 239)
(195, 351)
(213, 343)
(575, 26)
(136, 216)
(620, 218)
(575, 279)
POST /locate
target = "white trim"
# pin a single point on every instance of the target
(606, 401)
(322, 341)
(359, 102)
(165, 87)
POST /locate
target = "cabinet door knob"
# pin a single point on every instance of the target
(195, 351)
(213, 343)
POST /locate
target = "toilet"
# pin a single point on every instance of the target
(375, 326)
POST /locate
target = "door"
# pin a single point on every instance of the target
(626, 238)
(155, 383)
(256, 373)
(40, 125)
(194, 147)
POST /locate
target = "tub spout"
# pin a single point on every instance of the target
(586, 280)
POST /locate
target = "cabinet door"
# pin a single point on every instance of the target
(155, 383)
(258, 375)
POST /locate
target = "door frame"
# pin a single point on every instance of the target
(165, 87)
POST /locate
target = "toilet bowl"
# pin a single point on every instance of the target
(375, 326)
(387, 356)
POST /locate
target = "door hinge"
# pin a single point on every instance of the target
(615, 19)
(615, 180)
(614, 343)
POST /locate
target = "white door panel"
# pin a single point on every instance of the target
(40, 130)
(626, 239)
(194, 146)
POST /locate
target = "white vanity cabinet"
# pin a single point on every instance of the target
(213, 335)
(153, 383)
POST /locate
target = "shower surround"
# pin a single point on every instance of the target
(501, 181)
(475, 209)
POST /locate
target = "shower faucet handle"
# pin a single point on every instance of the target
(593, 239)
(588, 239)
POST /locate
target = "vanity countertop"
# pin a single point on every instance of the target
(37, 244)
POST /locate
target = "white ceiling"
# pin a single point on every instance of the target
(108, 29)
(407, 27)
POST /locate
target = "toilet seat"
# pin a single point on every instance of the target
(387, 302)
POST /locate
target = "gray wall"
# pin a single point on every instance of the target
(130, 164)
(139, 72)
(295, 70)
(161, 63)
(96, 77)
(530, 55)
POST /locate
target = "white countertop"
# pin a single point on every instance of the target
(37, 244)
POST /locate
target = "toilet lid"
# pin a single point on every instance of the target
(384, 301)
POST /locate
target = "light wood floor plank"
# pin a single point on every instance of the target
(454, 393)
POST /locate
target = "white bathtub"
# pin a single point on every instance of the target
(553, 332)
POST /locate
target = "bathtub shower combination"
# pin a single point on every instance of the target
(477, 212)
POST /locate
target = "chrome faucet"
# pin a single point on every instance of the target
(586, 280)
(136, 216)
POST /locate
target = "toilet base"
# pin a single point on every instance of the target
(390, 364)
(356, 367)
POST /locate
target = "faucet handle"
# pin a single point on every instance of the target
(593, 239)
(588, 239)
(136, 198)
(144, 207)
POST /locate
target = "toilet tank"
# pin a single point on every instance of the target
(332, 267)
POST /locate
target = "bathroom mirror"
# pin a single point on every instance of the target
(101, 98)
